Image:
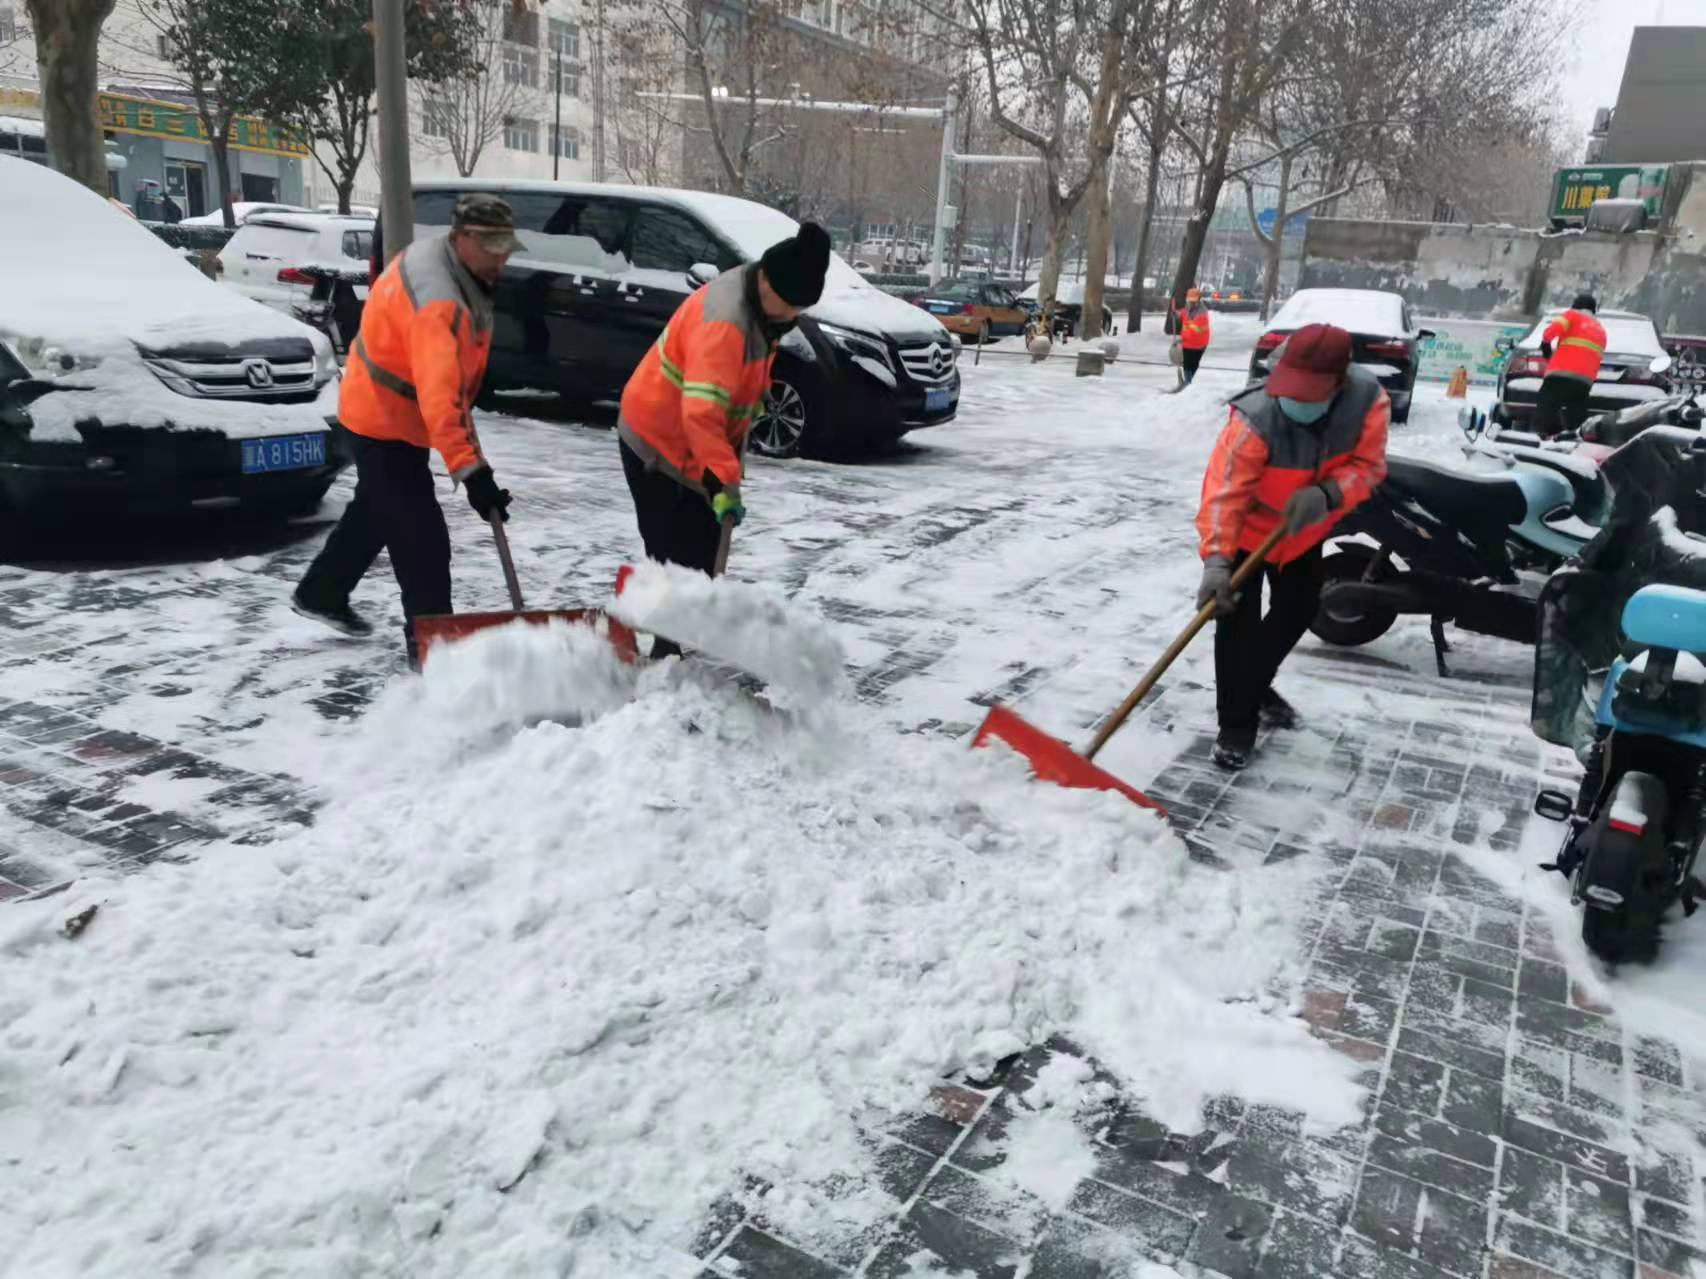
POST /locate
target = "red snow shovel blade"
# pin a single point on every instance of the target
(1051, 759)
(441, 628)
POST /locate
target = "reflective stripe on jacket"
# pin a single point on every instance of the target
(1193, 329)
(1263, 457)
(1578, 346)
(701, 385)
(417, 364)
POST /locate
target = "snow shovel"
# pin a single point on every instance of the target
(1052, 760)
(440, 628)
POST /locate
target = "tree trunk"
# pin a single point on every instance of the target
(1097, 231)
(1196, 232)
(1275, 247)
(1054, 246)
(221, 148)
(66, 33)
(1140, 268)
(346, 190)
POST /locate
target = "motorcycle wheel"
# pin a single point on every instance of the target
(1344, 627)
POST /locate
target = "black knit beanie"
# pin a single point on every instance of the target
(1585, 302)
(796, 267)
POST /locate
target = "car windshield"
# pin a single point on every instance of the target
(956, 292)
(271, 241)
(1624, 334)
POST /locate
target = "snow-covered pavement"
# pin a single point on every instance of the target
(541, 966)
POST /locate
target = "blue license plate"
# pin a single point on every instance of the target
(284, 453)
(936, 401)
(942, 308)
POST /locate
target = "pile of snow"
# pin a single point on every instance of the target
(578, 947)
(746, 625)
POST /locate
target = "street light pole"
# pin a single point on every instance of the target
(396, 188)
(943, 177)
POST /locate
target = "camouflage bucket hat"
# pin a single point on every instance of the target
(490, 218)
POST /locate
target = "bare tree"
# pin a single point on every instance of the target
(647, 118)
(67, 33)
(462, 114)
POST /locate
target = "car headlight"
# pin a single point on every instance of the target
(325, 361)
(45, 359)
(856, 343)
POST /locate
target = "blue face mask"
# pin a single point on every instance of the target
(1304, 411)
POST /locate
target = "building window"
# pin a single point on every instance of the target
(520, 26)
(566, 144)
(436, 117)
(631, 155)
(565, 39)
(8, 24)
(819, 13)
(166, 47)
(571, 87)
(521, 66)
(521, 135)
(628, 93)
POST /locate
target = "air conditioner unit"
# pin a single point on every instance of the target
(1602, 120)
(1596, 150)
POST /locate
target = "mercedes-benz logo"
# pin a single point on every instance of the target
(940, 359)
(258, 372)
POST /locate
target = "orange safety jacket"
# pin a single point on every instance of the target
(1193, 329)
(418, 361)
(1263, 457)
(1578, 346)
(701, 385)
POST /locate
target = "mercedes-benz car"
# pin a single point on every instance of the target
(132, 383)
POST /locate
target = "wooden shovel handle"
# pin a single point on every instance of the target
(1248, 569)
(510, 579)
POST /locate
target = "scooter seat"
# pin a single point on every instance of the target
(1667, 617)
(1480, 500)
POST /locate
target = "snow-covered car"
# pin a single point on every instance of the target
(1385, 339)
(603, 267)
(1626, 374)
(277, 258)
(132, 383)
(241, 212)
(1068, 306)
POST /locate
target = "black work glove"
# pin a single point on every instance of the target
(1309, 505)
(1546, 349)
(1216, 585)
(484, 495)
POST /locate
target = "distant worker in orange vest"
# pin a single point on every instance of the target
(697, 392)
(1574, 345)
(408, 388)
(1193, 333)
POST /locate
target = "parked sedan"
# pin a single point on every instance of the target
(241, 212)
(1627, 375)
(1068, 307)
(130, 382)
(1384, 337)
(975, 309)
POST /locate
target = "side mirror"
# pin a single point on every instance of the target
(1504, 346)
(27, 390)
(1660, 363)
(1425, 335)
(702, 273)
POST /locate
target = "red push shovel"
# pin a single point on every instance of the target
(1052, 760)
(440, 628)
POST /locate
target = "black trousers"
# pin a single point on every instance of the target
(1249, 647)
(1563, 405)
(395, 509)
(676, 524)
(1190, 362)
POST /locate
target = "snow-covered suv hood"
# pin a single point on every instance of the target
(870, 310)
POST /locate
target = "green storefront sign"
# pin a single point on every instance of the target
(1575, 190)
(121, 113)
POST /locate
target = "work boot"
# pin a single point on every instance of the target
(1233, 748)
(1276, 712)
(340, 617)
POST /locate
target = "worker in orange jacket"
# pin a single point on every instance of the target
(1574, 345)
(688, 406)
(1299, 452)
(409, 387)
(1193, 334)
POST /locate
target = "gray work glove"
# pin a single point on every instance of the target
(1309, 505)
(1216, 585)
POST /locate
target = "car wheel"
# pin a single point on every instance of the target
(780, 430)
(1401, 412)
(1345, 627)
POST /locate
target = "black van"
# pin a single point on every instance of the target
(603, 267)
